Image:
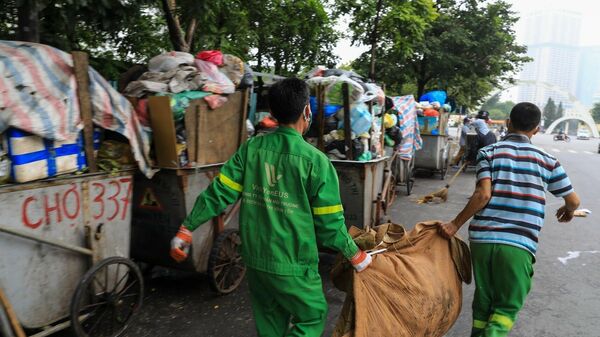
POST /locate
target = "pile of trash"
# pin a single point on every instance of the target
(40, 120)
(210, 75)
(430, 109)
(367, 102)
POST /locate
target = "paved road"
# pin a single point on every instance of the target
(565, 299)
(564, 302)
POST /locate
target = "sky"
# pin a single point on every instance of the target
(590, 9)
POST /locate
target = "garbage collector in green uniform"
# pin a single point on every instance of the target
(290, 206)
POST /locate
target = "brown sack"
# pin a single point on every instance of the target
(414, 289)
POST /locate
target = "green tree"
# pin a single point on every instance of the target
(468, 50)
(596, 112)
(115, 33)
(391, 29)
(550, 112)
(288, 43)
(498, 110)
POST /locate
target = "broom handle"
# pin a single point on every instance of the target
(11, 315)
(456, 175)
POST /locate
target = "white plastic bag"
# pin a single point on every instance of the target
(169, 61)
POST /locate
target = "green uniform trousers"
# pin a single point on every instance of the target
(287, 305)
(502, 281)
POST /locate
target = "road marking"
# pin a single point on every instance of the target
(572, 151)
(574, 255)
(588, 152)
(556, 150)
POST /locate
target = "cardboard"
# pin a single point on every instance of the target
(213, 136)
(163, 131)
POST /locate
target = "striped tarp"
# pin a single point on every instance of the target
(38, 94)
(406, 106)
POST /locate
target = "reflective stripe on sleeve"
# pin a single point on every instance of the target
(505, 321)
(230, 183)
(479, 324)
(327, 210)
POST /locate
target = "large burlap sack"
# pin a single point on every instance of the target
(414, 289)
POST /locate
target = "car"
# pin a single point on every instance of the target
(583, 134)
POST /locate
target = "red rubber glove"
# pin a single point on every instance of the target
(180, 245)
(361, 261)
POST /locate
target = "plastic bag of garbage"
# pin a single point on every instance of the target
(212, 56)
(248, 78)
(435, 96)
(216, 81)
(373, 93)
(333, 88)
(360, 118)
(169, 61)
(233, 68)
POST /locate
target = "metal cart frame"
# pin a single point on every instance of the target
(435, 154)
(51, 233)
(162, 203)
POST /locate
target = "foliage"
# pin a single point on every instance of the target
(287, 44)
(115, 33)
(550, 112)
(118, 33)
(498, 110)
(468, 50)
(596, 112)
(402, 24)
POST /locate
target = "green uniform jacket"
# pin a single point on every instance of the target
(290, 202)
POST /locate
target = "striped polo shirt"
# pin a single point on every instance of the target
(520, 175)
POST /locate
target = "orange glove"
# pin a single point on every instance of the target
(180, 245)
(361, 261)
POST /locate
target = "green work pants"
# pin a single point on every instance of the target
(502, 281)
(287, 305)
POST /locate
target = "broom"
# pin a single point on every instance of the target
(443, 193)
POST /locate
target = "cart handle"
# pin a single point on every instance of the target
(58, 244)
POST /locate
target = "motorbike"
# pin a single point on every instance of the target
(562, 137)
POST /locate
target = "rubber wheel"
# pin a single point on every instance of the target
(107, 298)
(225, 267)
(410, 181)
(391, 194)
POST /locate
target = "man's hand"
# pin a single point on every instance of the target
(448, 229)
(361, 261)
(563, 214)
(180, 245)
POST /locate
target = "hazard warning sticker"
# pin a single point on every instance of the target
(149, 201)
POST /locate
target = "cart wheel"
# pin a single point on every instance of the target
(410, 181)
(445, 166)
(391, 193)
(106, 298)
(225, 268)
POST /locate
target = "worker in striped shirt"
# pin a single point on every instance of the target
(508, 213)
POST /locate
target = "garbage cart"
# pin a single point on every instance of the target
(434, 156)
(161, 204)
(64, 256)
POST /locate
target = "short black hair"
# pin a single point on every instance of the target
(525, 116)
(287, 99)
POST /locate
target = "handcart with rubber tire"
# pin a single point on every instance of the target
(434, 156)
(64, 256)
(162, 203)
